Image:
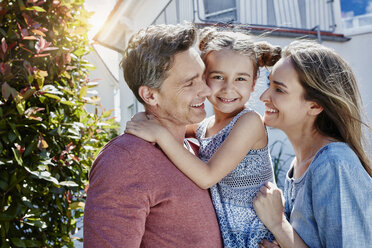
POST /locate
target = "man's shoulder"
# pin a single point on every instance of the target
(128, 144)
(126, 151)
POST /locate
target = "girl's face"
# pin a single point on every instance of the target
(231, 79)
(285, 106)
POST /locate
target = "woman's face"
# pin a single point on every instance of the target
(285, 106)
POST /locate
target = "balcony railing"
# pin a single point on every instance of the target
(295, 14)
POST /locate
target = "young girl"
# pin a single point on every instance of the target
(313, 97)
(235, 159)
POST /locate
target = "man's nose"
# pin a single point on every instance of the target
(204, 90)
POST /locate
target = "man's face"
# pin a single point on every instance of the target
(181, 97)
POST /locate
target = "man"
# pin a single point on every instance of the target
(136, 196)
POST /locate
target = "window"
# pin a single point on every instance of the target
(220, 10)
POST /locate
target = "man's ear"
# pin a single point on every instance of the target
(148, 95)
(315, 108)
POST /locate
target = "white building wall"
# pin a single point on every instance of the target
(107, 88)
(357, 52)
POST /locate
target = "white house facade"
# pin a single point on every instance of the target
(282, 21)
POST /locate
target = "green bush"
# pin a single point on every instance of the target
(48, 141)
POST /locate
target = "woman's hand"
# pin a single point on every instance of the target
(149, 129)
(269, 206)
(267, 244)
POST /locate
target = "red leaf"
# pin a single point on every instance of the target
(3, 12)
(22, 46)
(12, 45)
(38, 32)
(4, 68)
(41, 55)
(29, 38)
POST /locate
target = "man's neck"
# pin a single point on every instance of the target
(177, 130)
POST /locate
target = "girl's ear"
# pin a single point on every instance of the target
(148, 95)
(315, 108)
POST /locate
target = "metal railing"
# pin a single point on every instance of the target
(297, 14)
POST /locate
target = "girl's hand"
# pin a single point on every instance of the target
(269, 206)
(150, 130)
(140, 116)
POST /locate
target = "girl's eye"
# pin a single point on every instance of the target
(218, 77)
(241, 79)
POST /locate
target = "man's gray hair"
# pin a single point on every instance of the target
(150, 52)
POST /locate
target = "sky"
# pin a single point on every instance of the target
(352, 8)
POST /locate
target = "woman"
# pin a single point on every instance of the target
(314, 98)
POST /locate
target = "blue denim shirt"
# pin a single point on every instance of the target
(331, 204)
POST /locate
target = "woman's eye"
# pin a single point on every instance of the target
(188, 84)
(241, 79)
(279, 90)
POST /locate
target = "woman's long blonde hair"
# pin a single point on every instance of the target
(329, 81)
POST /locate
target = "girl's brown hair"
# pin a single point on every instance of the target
(261, 53)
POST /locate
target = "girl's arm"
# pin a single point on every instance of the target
(191, 130)
(248, 130)
(269, 206)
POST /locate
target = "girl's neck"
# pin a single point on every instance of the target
(220, 121)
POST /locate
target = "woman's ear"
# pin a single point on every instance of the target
(315, 108)
(148, 95)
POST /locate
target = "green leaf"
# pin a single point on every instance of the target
(29, 93)
(37, 8)
(68, 103)
(83, 91)
(3, 185)
(40, 77)
(18, 242)
(52, 96)
(6, 217)
(107, 113)
(77, 205)
(5, 90)
(35, 222)
(29, 149)
(43, 175)
(68, 184)
(33, 243)
(17, 156)
(80, 51)
(21, 107)
(14, 129)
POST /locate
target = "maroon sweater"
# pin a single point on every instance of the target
(138, 198)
